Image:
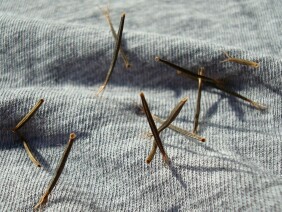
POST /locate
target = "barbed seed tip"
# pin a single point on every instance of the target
(157, 58)
(123, 14)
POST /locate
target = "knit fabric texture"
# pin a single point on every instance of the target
(61, 51)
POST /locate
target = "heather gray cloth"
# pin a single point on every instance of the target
(61, 51)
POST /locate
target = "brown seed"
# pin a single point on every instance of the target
(211, 82)
(240, 61)
(115, 55)
(21, 124)
(180, 130)
(198, 106)
(44, 199)
(173, 114)
(28, 149)
(29, 115)
(154, 128)
(173, 127)
(106, 13)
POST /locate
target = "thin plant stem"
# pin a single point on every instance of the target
(180, 130)
(173, 127)
(198, 106)
(240, 61)
(153, 128)
(44, 199)
(173, 114)
(115, 55)
(29, 115)
(23, 139)
(28, 149)
(211, 82)
(106, 13)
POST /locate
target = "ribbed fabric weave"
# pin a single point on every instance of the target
(60, 51)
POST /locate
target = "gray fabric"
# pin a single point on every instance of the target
(61, 51)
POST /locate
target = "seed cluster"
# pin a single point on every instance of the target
(151, 118)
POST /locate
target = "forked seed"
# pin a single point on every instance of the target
(198, 106)
(115, 55)
(175, 128)
(173, 114)
(44, 199)
(240, 61)
(153, 128)
(180, 130)
(190, 73)
(106, 13)
(211, 82)
(20, 125)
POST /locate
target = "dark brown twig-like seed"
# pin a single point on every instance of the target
(253, 103)
(106, 13)
(118, 43)
(190, 73)
(211, 82)
(173, 114)
(28, 149)
(21, 124)
(198, 106)
(240, 61)
(43, 200)
(180, 130)
(173, 127)
(154, 128)
(29, 115)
